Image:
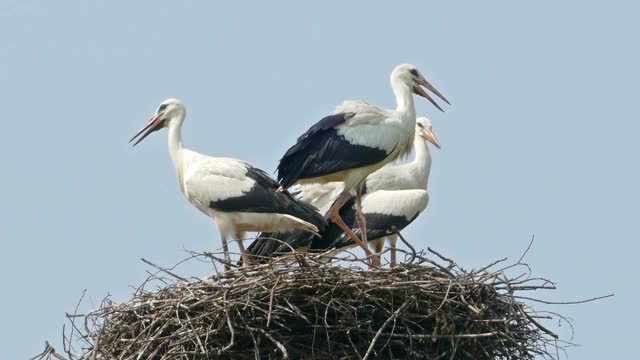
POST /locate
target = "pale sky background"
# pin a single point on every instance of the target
(542, 138)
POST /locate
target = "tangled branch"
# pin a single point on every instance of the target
(307, 308)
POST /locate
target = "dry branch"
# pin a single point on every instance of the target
(305, 308)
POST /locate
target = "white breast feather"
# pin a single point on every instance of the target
(209, 179)
(320, 195)
(386, 134)
(405, 203)
(400, 177)
(377, 128)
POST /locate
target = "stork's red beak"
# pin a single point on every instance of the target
(431, 137)
(156, 123)
(420, 91)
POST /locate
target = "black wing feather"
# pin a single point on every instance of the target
(378, 226)
(270, 245)
(321, 151)
(263, 197)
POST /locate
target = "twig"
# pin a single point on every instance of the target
(482, 269)
(540, 326)
(355, 349)
(164, 270)
(313, 308)
(73, 324)
(285, 354)
(384, 325)
(451, 262)
(48, 351)
(273, 290)
(564, 302)
(231, 330)
(527, 250)
(413, 250)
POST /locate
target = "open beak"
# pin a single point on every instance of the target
(156, 123)
(420, 91)
(431, 137)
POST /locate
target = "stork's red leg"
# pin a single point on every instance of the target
(227, 258)
(392, 244)
(362, 222)
(246, 259)
(378, 247)
(334, 215)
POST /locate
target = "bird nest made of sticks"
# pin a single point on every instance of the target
(428, 309)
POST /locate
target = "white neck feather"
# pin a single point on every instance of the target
(422, 162)
(404, 98)
(175, 146)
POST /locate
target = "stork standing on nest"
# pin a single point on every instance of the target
(355, 141)
(238, 196)
(394, 196)
(410, 176)
(386, 204)
(386, 212)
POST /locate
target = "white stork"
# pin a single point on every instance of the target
(355, 141)
(386, 211)
(399, 211)
(238, 196)
(413, 175)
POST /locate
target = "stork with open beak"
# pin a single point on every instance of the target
(390, 209)
(236, 195)
(353, 142)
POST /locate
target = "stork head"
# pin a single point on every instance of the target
(425, 131)
(410, 76)
(169, 112)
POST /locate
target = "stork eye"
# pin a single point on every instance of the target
(414, 72)
(162, 107)
(420, 125)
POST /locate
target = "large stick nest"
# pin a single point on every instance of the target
(312, 310)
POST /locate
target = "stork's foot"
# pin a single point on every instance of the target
(227, 261)
(333, 214)
(362, 221)
(227, 258)
(246, 260)
(375, 262)
(335, 217)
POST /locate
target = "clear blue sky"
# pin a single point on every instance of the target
(542, 137)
